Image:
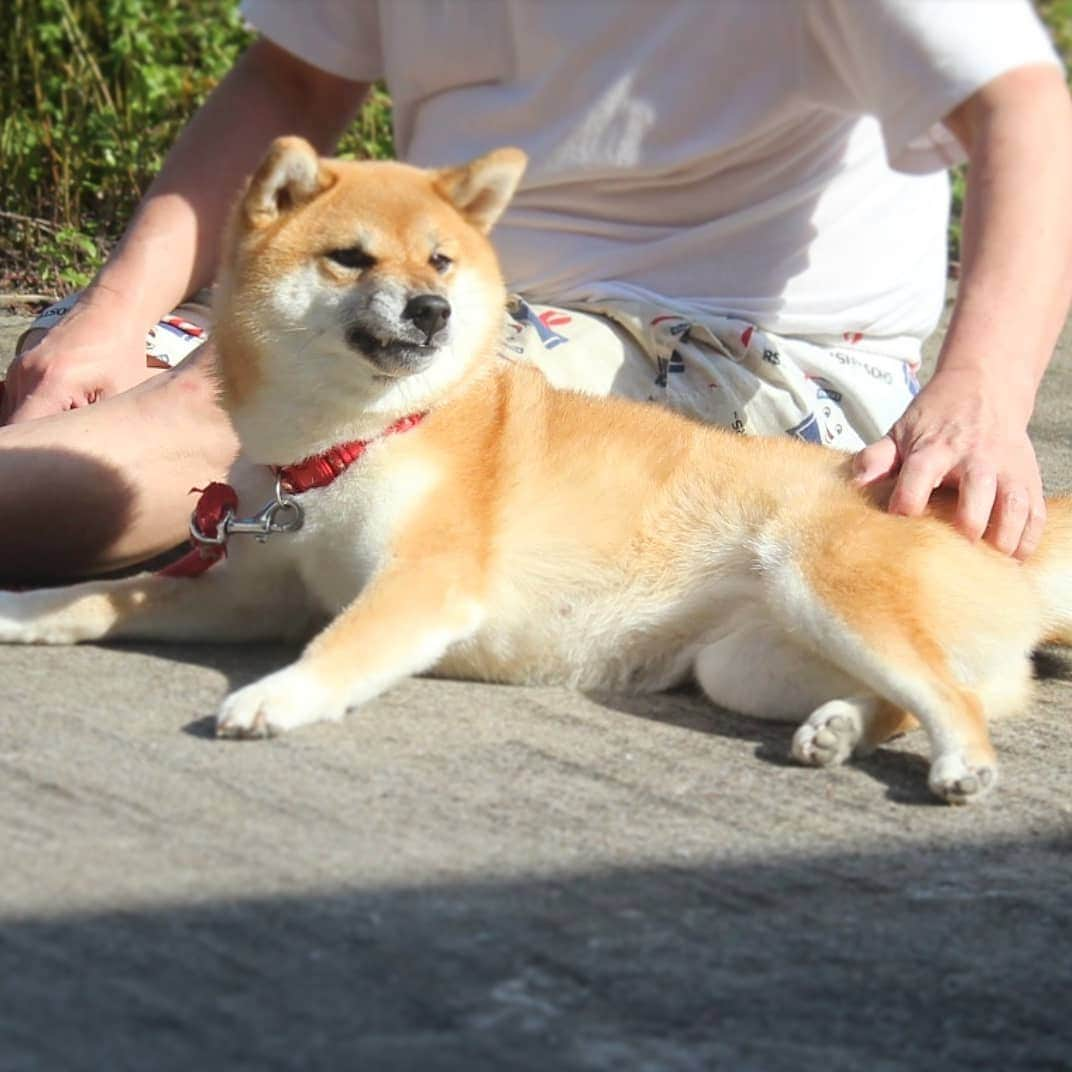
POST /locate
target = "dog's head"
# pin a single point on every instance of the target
(352, 288)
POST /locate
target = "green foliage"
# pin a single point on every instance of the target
(1057, 15)
(370, 137)
(956, 212)
(92, 94)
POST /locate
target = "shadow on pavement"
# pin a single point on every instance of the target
(902, 770)
(903, 773)
(896, 960)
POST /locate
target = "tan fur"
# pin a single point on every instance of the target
(526, 534)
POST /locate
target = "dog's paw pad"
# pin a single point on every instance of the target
(958, 782)
(828, 736)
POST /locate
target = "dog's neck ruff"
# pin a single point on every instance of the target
(215, 511)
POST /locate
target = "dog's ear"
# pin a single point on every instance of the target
(480, 190)
(289, 175)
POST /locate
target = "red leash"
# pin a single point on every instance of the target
(216, 502)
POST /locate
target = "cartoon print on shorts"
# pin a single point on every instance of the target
(511, 341)
(808, 430)
(824, 388)
(664, 366)
(677, 328)
(833, 428)
(873, 371)
(739, 354)
(911, 379)
(829, 398)
(544, 324)
(766, 350)
(171, 339)
(676, 325)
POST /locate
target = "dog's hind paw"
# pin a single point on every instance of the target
(828, 735)
(282, 701)
(957, 781)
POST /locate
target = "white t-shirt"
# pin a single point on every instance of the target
(776, 160)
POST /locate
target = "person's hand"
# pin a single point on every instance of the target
(958, 432)
(74, 365)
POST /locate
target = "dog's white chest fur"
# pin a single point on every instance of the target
(348, 529)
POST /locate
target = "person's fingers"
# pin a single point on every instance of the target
(1013, 508)
(23, 378)
(1010, 519)
(921, 472)
(975, 501)
(875, 462)
(14, 396)
(1032, 535)
(40, 403)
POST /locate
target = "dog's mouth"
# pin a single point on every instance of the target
(394, 357)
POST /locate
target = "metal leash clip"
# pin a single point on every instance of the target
(282, 514)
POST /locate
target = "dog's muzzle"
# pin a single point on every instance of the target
(404, 346)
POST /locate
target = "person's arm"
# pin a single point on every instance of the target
(170, 248)
(968, 426)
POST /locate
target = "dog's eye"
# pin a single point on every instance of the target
(354, 257)
(440, 262)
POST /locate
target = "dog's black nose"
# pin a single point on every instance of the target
(429, 312)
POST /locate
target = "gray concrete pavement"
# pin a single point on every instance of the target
(467, 876)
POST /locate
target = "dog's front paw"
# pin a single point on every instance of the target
(957, 781)
(282, 701)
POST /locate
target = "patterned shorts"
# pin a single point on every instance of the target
(841, 393)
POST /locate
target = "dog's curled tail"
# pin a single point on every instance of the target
(1052, 566)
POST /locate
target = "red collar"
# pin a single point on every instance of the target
(321, 469)
(219, 502)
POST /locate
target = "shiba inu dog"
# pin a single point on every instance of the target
(429, 506)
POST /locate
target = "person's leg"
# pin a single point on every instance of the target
(108, 485)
